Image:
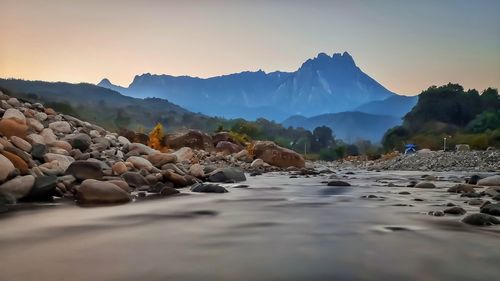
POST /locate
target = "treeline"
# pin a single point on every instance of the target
(462, 117)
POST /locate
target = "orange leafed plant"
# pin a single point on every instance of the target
(156, 138)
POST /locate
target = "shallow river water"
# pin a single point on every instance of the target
(279, 228)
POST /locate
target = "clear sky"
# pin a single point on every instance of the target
(406, 45)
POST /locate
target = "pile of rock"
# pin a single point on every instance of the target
(427, 160)
(44, 154)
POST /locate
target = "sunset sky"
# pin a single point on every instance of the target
(405, 45)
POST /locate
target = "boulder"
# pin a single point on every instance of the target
(159, 159)
(184, 154)
(13, 127)
(22, 144)
(119, 168)
(228, 174)
(338, 183)
(80, 141)
(208, 188)
(491, 209)
(228, 147)
(13, 113)
(189, 138)
(83, 170)
(63, 160)
(43, 190)
(178, 180)
(277, 156)
(6, 168)
(462, 188)
(17, 161)
(168, 191)
(134, 179)
(18, 187)
(479, 219)
(490, 181)
(223, 136)
(455, 210)
(141, 149)
(121, 184)
(197, 171)
(425, 185)
(140, 163)
(60, 127)
(257, 163)
(94, 191)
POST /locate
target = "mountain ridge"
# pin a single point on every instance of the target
(323, 84)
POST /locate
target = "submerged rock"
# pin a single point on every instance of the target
(229, 174)
(208, 188)
(94, 191)
(479, 219)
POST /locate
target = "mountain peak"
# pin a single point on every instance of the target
(104, 82)
(344, 58)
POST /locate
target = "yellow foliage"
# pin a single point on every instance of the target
(156, 138)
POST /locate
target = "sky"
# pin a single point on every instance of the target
(405, 45)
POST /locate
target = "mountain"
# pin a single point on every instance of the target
(395, 105)
(324, 84)
(348, 126)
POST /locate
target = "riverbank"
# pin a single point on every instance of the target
(432, 161)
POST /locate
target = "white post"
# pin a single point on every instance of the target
(444, 144)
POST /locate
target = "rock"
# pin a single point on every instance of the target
(35, 138)
(134, 179)
(223, 136)
(455, 211)
(60, 127)
(141, 149)
(63, 160)
(22, 144)
(140, 163)
(462, 188)
(436, 213)
(62, 145)
(6, 168)
(168, 191)
(18, 187)
(473, 179)
(83, 170)
(80, 141)
(490, 181)
(123, 140)
(38, 151)
(17, 161)
(121, 184)
(492, 191)
(184, 154)
(160, 159)
(338, 183)
(496, 197)
(425, 185)
(12, 113)
(14, 102)
(475, 202)
(229, 174)
(228, 147)
(13, 127)
(480, 220)
(208, 188)
(197, 170)
(178, 180)
(189, 138)
(462, 147)
(119, 168)
(94, 191)
(243, 156)
(257, 163)
(276, 155)
(491, 209)
(43, 190)
(35, 124)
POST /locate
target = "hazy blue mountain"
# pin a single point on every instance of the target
(348, 126)
(395, 105)
(325, 84)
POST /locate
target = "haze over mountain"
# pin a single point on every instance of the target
(324, 84)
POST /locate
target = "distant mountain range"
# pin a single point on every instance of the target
(324, 84)
(348, 126)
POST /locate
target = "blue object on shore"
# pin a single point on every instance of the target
(410, 148)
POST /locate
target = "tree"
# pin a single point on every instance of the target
(322, 138)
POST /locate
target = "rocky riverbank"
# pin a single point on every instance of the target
(479, 161)
(45, 155)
